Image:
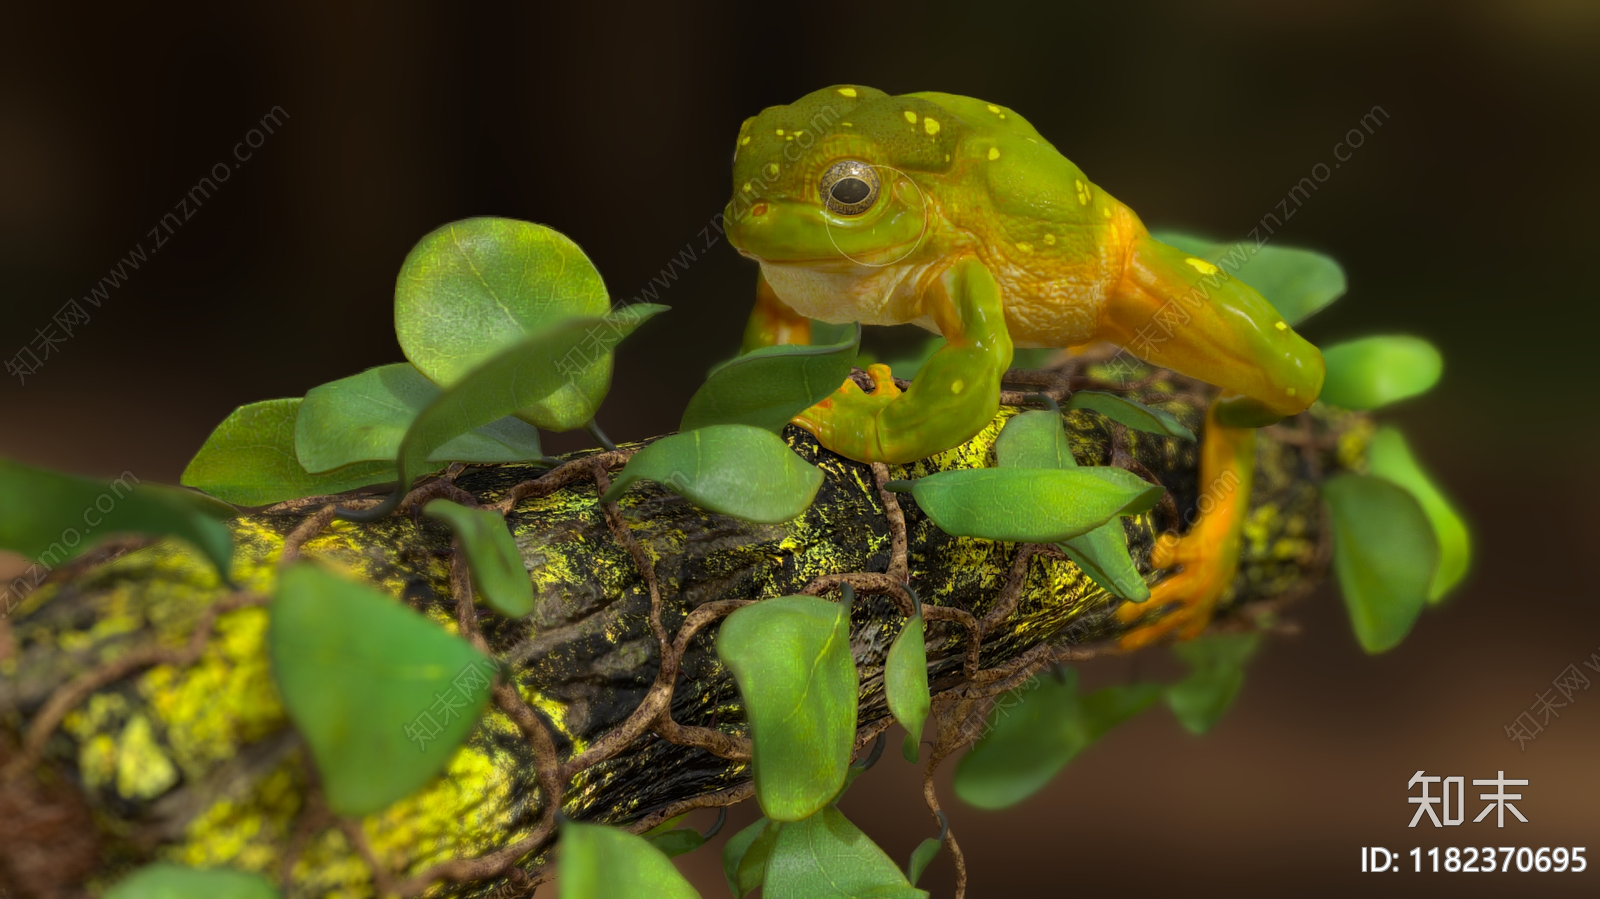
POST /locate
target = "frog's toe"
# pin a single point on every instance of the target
(1194, 589)
(882, 381)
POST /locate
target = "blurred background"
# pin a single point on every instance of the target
(1466, 216)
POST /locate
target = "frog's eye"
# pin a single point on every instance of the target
(848, 187)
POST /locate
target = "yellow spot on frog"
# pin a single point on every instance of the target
(910, 116)
(847, 92)
(747, 188)
(772, 170)
(931, 126)
(1281, 326)
(994, 109)
(788, 137)
(1201, 266)
(947, 157)
(780, 132)
(958, 385)
(994, 152)
(1291, 391)
(1106, 211)
(848, 124)
(1025, 247)
(1083, 192)
(1050, 240)
(743, 141)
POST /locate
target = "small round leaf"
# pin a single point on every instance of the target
(1376, 371)
(250, 460)
(1031, 505)
(599, 862)
(737, 470)
(1384, 554)
(1389, 457)
(164, 880)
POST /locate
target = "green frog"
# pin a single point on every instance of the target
(955, 214)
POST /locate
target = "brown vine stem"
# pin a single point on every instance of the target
(899, 568)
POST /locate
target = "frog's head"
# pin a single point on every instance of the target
(831, 179)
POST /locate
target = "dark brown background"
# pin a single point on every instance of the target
(1467, 217)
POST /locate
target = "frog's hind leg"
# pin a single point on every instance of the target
(1182, 312)
(1209, 551)
(772, 322)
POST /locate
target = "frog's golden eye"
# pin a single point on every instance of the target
(848, 187)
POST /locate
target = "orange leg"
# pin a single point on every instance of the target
(1209, 552)
(771, 322)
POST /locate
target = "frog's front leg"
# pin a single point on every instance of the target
(1182, 312)
(1209, 551)
(955, 394)
(772, 322)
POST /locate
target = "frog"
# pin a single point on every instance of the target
(955, 214)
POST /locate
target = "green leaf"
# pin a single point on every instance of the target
(1384, 554)
(474, 289)
(922, 857)
(1029, 505)
(766, 387)
(1376, 371)
(1035, 730)
(1131, 414)
(492, 557)
(1102, 554)
(827, 857)
(164, 880)
(1216, 671)
(381, 694)
(1296, 282)
(744, 857)
(791, 659)
(736, 470)
(52, 517)
(677, 841)
(250, 460)
(1037, 439)
(510, 380)
(1390, 458)
(598, 862)
(363, 418)
(905, 682)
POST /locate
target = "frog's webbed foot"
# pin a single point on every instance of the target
(1182, 312)
(955, 394)
(1209, 552)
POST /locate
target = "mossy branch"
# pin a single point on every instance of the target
(139, 703)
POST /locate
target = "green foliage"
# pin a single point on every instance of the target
(824, 856)
(921, 858)
(791, 659)
(766, 387)
(473, 289)
(905, 682)
(492, 556)
(737, 470)
(1375, 371)
(744, 857)
(1029, 505)
(51, 517)
(164, 880)
(677, 841)
(1389, 457)
(1296, 282)
(250, 460)
(367, 681)
(1130, 413)
(1216, 672)
(1035, 730)
(515, 378)
(363, 418)
(1384, 554)
(599, 862)
(1038, 440)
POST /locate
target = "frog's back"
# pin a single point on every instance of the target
(1054, 240)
